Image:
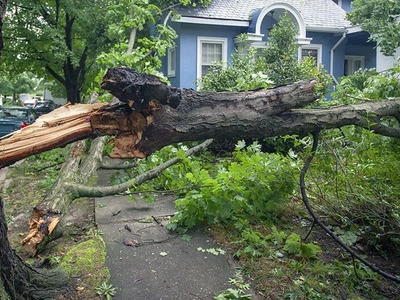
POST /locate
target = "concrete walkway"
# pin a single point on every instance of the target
(146, 261)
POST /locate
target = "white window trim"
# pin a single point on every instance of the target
(312, 47)
(201, 39)
(356, 57)
(171, 72)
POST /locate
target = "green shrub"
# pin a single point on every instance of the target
(252, 186)
(355, 181)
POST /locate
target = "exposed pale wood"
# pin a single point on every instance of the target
(41, 224)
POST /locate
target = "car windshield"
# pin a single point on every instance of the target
(13, 113)
(43, 104)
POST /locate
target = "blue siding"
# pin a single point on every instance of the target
(253, 20)
(368, 52)
(187, 50)
(328, 40)
(164, 60)
(346, 5)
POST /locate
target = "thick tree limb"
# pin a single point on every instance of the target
(153, 115)
(74, 122)
(48, 213)
(87, 191)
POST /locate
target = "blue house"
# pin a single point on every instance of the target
(209, 34)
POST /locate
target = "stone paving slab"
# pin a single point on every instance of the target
(121, 208)
(163, 266)
(148, 262)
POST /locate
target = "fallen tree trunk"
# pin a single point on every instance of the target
(153, 115)
(74, 122)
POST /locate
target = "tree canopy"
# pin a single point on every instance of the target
(381, 19)
(62, 40)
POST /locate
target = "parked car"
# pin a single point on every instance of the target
(29, 103)
(45, 106)
(14, 118)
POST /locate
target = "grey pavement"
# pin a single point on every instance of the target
(146, 261)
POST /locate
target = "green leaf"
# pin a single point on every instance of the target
(186, 237)
(310, 250)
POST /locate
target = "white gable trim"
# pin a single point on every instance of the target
(207, 21)
(354, 29)
(317, 47)
(290, 9)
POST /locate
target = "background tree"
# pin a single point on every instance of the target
(18, 84)
(58, 40)
(381, 19)
(140, 33)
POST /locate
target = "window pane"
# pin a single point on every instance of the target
(353, 64)
(173, 60)
(357, 65)
(310, 52)
(211, 52)
(204, 70)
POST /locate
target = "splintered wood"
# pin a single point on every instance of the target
(41, 225)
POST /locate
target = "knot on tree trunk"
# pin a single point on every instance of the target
(142, 92)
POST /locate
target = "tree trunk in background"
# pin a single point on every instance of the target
(3, 7)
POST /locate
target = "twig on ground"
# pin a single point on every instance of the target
(48, 167)
(123, 166)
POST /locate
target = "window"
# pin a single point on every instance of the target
(171, 62)
(338, 2)
(313, 50)
(352, 64)
(210, 50)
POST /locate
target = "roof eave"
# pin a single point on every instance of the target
(324, 29)
(207, 21)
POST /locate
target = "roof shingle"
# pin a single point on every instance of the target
(317, 14)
